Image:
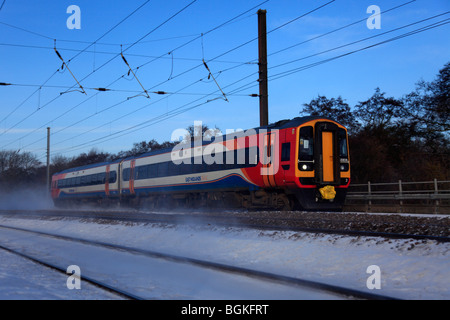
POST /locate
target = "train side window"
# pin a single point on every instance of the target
(197, 165)
(163, 169)
(126, 174)
(174, 169)
(286, 151)
(141, 172)
(306, 148)
(112, 177)
(93, 180)
(152, 170)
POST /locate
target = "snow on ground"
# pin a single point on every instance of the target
(22, 279)
(410, 269)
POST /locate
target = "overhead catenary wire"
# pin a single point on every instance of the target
(211, 75)
(339, 29)
(129, 47)
(164, 56)
(289, 72)
(360, 40)
(178, 92)
(281, 75)
(54, 73)
(134, 74)
(142, 125)
(147, 123)
(209, 31)
(90, 42)
(283, 25)
(219, 27)
(67, 67)
(407, 34)
(239, 46)
(296, 70)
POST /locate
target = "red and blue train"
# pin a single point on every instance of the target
(302, 163)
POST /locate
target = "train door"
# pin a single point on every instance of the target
(108, 169)
(119, 178)
(326, 155)
(131, 182)
(285, 148)
(271, 158)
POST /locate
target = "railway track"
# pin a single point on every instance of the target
(337, 291)
(357, 225)
(90, 280)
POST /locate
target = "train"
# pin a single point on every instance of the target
(295, 164)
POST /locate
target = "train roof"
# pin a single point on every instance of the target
(282, 124)
(295, 122)
(89, 166)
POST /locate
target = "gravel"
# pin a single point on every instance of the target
(434, 225)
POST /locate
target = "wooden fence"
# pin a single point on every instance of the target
(425, 196)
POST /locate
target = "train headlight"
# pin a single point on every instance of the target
(306, 167)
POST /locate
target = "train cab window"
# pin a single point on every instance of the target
(342, 136)
(343, 151)
(306, 148)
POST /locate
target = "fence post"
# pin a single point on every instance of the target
(400, 194)
(369, 189)
(436, 202)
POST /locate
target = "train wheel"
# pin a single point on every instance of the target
(284, 203)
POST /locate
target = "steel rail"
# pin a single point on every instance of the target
(227, 221)
(90, 280)
(262, 275)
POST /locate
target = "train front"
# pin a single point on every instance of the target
(323, 165)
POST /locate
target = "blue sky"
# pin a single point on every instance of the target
(163, 39)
